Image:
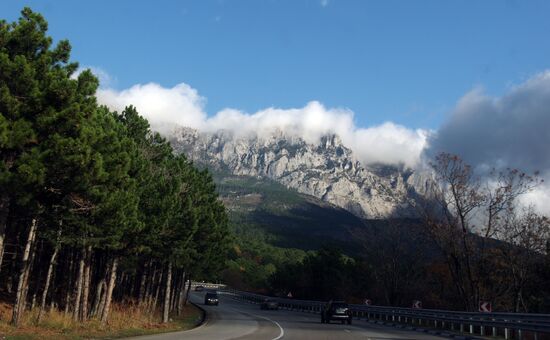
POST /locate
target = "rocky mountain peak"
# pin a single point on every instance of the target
(327, 170)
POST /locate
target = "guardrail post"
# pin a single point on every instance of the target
(461, 328)
(494, 331)
(482, 330)
(520, 333)
(506, 333)
(471, 328)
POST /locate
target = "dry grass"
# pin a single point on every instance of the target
(125, 320)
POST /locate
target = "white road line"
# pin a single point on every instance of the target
(281, 328)
(281, 334)
(347, 330)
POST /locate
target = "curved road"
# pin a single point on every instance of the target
(234, 319)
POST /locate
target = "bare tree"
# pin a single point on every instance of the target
(397, 257)
(465, 219)
(526, 235)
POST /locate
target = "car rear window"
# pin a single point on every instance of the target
(211, 295)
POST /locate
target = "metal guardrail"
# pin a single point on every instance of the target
(507, 325)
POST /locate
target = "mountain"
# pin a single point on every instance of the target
(327, 170)
(288, 219)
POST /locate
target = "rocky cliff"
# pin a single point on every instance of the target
(327, 170)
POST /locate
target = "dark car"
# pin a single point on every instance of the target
(199, 288)
(336, 310)
(269, 304)
(211, 298)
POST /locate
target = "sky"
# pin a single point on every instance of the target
(397, 80)
(402, 61)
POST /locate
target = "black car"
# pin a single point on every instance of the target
(269, 304)
(211, 298)
(199, 288)
(336, 310)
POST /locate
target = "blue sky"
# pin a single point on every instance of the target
(401, 61)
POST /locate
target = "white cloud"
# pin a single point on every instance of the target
(390, 143)
(510, 131)
(163, 107)
(324, 3)
(182, 105)
(539, 197)
(507, 131)
(105, 79)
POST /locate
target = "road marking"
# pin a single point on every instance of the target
(282, 331)
(281, 334)
(347, 330)
(281, 328)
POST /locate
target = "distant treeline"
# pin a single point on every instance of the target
(474, 242)
(94, 206)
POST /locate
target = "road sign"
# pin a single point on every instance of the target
(485, 307)
(417, 304)
(368, 302)
(289, 295)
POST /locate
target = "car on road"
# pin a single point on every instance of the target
(336, 310)
(199, 288)
(269, 304)
(211, 298)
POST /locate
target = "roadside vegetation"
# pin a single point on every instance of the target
(98, 217)
(474, 243)
(124, 321)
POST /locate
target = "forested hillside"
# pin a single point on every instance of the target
(94, 206)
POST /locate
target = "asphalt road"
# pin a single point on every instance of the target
(233, 319)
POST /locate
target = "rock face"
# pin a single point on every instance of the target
(328, 170)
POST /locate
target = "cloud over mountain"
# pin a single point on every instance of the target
(182, 105)
(512, 130)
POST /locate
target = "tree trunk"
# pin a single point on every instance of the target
(187, 291)
(167, 295)
(149, 289)
(142, 283)
(4, 211)
(69, 282)
(38, 274)
(78, 286)
(97, 300)
(19, 300)
(109, 294)
(103, 298)
(181, 295)
(86, 288)
(176, 287)
(26, 285)
(49, 275)
(157, 291)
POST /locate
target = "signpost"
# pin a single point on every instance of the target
(485, 307)
(417, 304)
(368, 302)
